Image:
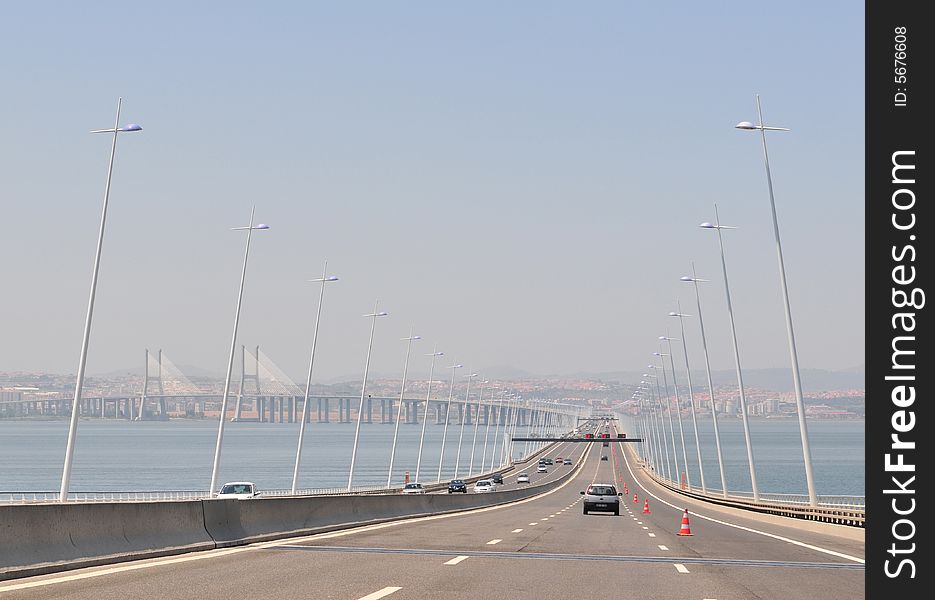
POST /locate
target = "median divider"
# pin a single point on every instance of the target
(47, 538)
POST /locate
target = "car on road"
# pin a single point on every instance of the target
(558, 460)
(457, 485)
(604, 457)
(605, 444)
(567, 461)
(542, 469)
(497, 478)
(484, 485)
(602, 497)
(413, 488)
(522, 478)
(239, 490)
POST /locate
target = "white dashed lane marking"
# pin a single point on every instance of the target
(680, 568)
(380, 593)
(516, 531)
(661, 547)
(536, 523)
(492, 542)
(456, 560)
(652, 535)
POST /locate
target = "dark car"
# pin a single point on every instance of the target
(456, 485)
(604, 457)
(497, 478)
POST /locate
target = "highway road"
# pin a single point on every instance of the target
(538, 548)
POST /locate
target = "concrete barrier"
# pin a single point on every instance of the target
(36, 539)
(45, 538)
(233, 523)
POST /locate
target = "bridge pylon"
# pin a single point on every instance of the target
(245, 377)
(152, 386)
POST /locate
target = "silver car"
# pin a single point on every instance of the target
(602, 497)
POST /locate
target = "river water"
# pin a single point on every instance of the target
(177, 455)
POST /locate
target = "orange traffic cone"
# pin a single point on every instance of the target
(685, 529)
(646, 508)
(635, 500)
(626, 492)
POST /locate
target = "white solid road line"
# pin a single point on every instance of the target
(516, 531)
(492, 542)
(750, 529)
(680, 568)
(381, 593)
(456, 560)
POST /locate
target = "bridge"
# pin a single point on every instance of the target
(521, 541)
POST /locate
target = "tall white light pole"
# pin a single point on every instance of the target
(488, 412)
(665, 383)
(425, 415)
(325, 278)
(399, 409)
(83, 357)
(230, 361)
(496, 435)
(363, 390)
(464, 412)
(678, 409)
(659, 424)
(451, 387)
(691, 395)
(733, 334)
(480, 396)
(653, 423)
(662, 423)
(796, 378)
(694, 280)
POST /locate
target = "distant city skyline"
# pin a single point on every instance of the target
(522, 190)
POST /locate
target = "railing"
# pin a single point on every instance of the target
(169, 495)
(843, 510)
(39, 497)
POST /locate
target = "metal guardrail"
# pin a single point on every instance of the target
(842, 510)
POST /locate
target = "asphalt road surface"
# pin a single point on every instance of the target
(538, 548)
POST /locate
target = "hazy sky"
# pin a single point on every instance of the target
(520, 181)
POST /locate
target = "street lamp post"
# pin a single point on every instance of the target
(483, 460)
(496, 435)
(733, 334)
(425, 415)
(691, 394)
(678, 410)
(480, 396)
(83, 358)
(325, 278)
(665, 382)
(660, 423)
(694, 280)
(790, 332)
(230, 361)
(399, 409)
(451, 387)
(363, 390)
(464, 412)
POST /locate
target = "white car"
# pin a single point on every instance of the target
(484, 485)
(542, 469)
(240, 490)
(413, 488)
(522, 478)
